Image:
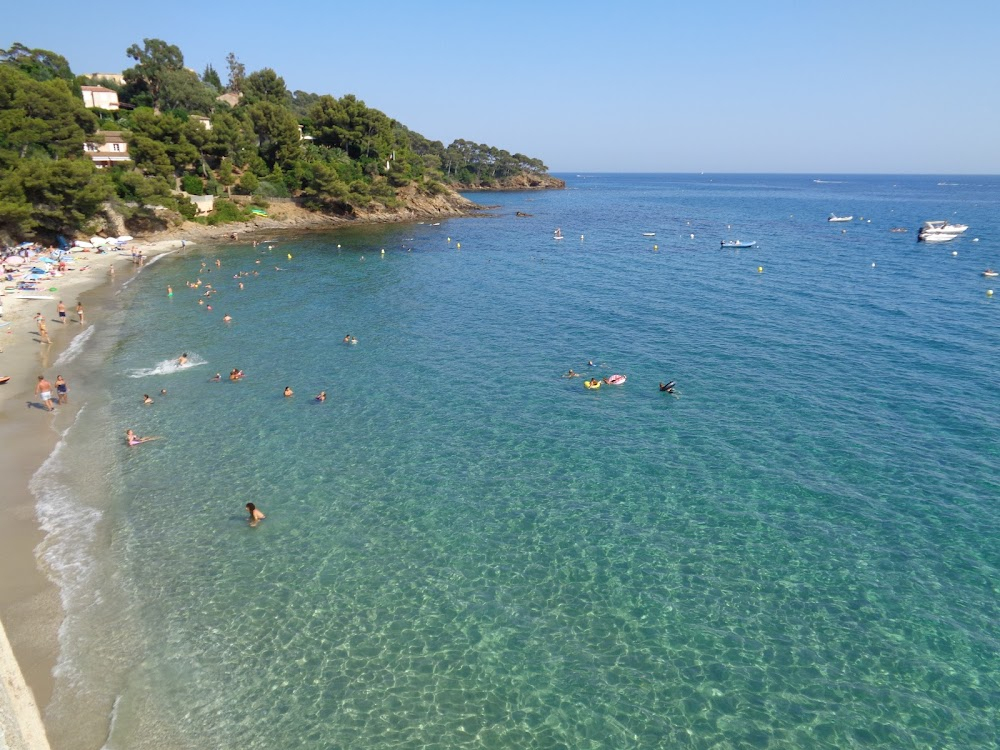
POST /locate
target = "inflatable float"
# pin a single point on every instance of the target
(592, 384)
(617, 380)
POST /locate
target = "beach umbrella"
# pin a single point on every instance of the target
(14, 260)
(83, 243)
(124, 238)
(98, 241)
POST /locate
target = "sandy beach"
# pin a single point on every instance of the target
(30, 609)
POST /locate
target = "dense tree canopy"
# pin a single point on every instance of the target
(332, 154)
(39, 64)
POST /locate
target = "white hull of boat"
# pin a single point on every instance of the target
(840, 218)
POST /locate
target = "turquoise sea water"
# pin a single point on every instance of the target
(465, 550)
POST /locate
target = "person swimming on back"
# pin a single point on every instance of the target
(217, 378)
(667, 387)
(132, 439)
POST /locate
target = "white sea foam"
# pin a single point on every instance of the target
(75, 347)
(111, 723)
(167, 367)
(147, 264)
(65, 552)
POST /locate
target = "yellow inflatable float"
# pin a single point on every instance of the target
(593, 383)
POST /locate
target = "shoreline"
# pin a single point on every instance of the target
(30, 606)
(31, 610)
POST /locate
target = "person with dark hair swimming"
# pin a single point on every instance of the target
(668, 387)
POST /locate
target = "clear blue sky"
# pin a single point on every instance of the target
(715, 86)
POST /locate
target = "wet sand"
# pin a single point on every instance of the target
(30, 608)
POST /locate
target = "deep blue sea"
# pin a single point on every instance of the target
(800, 548)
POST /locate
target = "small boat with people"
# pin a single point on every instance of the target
(737, 243)
(835, 218)
(940, 231)
(649, 234)
(990, 273)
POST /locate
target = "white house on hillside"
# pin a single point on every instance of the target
(114, 149)
(99, 97)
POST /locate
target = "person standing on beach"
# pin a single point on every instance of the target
(79, 312)
(44, 391)
(43, 331)
(61, 308)
(62, 390)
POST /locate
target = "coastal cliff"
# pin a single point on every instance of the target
(522, 181)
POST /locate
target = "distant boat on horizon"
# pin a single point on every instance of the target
(834, 217)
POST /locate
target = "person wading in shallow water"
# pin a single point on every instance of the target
(256, 516)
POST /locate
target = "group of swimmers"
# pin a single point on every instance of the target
(594, 382)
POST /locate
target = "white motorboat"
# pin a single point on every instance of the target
(940, 228)
(834, 217)
(936, 237)
(737, 243)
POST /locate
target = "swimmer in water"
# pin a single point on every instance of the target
(571, 374)
(132, 439)
(217, 378)
(321, 397)
(146, 399)
(289, 391)
(667, 387)
(256, 516)
(347, 339)
(182, 360)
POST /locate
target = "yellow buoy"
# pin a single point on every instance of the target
(383, 251)
(449, 239)
(458, 245)
(760, 269)
(289, 256)
(338, 247)
(656, 247)
(989, 292)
